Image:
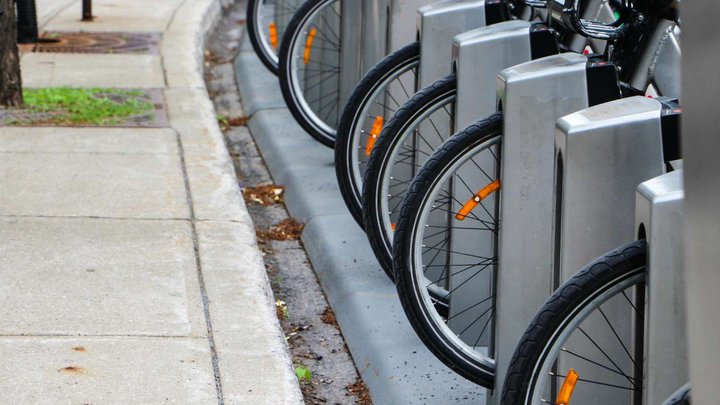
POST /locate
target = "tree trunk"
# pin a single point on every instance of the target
(10, 81)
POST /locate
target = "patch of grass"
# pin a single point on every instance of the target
(303, 374)
(95, 106)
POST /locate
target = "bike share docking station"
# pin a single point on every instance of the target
(371, 29)
(534, 96)
(659, 213)
(437, 25)
(384, 26)
(602, 154)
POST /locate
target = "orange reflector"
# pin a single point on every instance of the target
(374, 133)
(393, 227)
(308, 44)
(475, 200)
(567, 389)
(273, 35)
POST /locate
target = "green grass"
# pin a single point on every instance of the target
(93, 106)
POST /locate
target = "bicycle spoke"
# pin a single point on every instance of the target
(630, 379)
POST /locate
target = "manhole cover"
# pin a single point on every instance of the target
(100, 42)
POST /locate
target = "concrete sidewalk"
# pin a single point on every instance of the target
(130, 270)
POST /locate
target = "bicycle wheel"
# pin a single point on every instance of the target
(375, 99)
(586, 341)
(309, 69)
(416, 129)
(445, 250)
(266, 22)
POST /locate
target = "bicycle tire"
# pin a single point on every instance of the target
(404, 122)
(256, 36)
(419, 308)
(622, 265)
(289, 85)
(347, 165)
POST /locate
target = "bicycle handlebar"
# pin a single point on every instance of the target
(567, 11)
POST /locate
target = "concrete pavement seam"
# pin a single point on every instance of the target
(201, 279)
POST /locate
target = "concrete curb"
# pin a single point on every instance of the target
(394, 363)
(252, 355)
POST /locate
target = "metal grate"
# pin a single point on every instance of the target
(100, 42)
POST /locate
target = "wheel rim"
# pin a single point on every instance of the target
(395, 89)
(314, 75)
(277, 12)
(583, 344)
(450, 280)
(404, 160)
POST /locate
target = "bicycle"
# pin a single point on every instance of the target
(460, 184)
